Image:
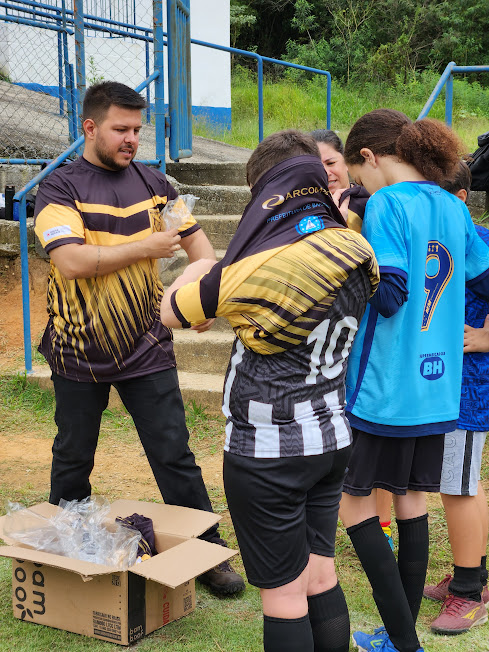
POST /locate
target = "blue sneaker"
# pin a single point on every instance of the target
(370, 642)
(379, 641)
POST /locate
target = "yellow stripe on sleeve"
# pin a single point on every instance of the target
(56, 222)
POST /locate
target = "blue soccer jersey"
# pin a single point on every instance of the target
(404, 371)
(474, 404)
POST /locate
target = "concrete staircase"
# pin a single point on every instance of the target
(202, 359)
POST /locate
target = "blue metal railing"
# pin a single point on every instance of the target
(446, 80)
(179, 76)
(61, 18)
(259, 60)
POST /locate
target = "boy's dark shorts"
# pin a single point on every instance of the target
(282, 510)
(394, 463)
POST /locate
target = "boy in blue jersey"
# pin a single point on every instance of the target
(462, 493)
(403, 386)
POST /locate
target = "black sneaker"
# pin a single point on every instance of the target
(223, 580)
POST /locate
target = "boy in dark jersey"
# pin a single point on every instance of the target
(461, 490)
(294, 284)
(98, 218)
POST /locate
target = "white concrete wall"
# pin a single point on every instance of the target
(4, 49)
(34, 59)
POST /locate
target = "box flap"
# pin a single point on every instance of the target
(183, 562)
(83, 568)
(168, 519)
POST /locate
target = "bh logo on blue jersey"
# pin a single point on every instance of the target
(310, 224)
(432, 368)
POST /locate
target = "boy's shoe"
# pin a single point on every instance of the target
(378, 641)
(458, 615)
(223, 580)
(370, 642)
(439, 592)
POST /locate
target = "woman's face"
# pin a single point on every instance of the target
(335, 167)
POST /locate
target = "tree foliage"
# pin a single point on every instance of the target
(386, 40)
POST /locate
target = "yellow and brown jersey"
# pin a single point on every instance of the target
(294, 285)
(358, 198)
(104, 328)
(274, 299)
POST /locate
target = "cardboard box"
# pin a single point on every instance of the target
(104, 602)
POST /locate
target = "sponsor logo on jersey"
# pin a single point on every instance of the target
(310, 224)
(56, 231)
(432, 368)
(275, 200)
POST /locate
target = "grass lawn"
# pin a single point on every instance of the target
(290, 103)
(229, 625)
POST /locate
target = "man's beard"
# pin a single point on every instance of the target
(108, 160)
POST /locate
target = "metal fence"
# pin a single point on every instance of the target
(38, 67)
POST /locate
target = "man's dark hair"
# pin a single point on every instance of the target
(100, 97)
(328, 137)
(277, 148)
(461, 181)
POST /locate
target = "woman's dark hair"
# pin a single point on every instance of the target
(277, 148)
(428, 145)
(461, 180)
(328, 137)
(100, 97)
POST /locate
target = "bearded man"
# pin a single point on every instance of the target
(99, 218)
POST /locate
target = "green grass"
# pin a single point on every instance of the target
(302, 105)
(230, 625)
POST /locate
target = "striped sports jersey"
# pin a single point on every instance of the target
(105, 328)
(294, 300)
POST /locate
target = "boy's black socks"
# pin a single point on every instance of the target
(466, 583)
(484, 570)
(380, 565)
(330, 621)
(287, 634)
(412, 558)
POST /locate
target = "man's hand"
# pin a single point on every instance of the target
(477, 339)
(162, 244)
(204, 326)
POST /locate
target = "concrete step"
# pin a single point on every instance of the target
(207, 173)
(221, 200)
(219, 228)
(204, 389)
(203, 353)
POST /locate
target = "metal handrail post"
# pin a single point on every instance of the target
(437, 90)
(69, 107)
(24, 269)
(74, 112)
(259, 61)
(148, 94)
(449, 100)
(60, 74)
(159, 82)
(79, 58)
(328, 101)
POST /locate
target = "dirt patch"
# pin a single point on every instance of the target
(121, 468)
(11, 323)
